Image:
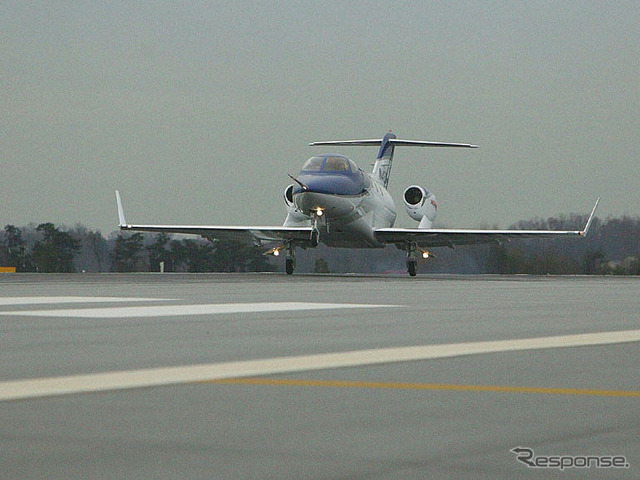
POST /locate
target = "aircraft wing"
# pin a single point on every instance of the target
(245, 234)
(445, 237)
(240, 234)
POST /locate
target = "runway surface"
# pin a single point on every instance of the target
(269, 376)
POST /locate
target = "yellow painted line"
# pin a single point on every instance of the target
(421, 386)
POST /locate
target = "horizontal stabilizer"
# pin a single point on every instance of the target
(392, 141)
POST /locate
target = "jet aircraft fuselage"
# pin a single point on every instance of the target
(344, 203)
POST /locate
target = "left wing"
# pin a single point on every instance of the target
(245, 234)
(445, 237)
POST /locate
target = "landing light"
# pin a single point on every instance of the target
(319, 211)
(276, 252)
(425, 254)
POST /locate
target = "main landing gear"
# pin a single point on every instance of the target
(412, 256)
(411, 267)
(412, 252)
(290, 263)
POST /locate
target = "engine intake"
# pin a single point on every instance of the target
(288, 196)
(420, 205)
(294, 216)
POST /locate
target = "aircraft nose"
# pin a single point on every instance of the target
(330, 184)
(334, 206)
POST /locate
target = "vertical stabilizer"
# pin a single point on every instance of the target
(382, 167)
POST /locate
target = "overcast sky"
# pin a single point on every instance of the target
(196, 111)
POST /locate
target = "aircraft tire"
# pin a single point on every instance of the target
(289, 266)
(411, 267)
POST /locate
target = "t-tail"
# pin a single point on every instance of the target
(382, 166)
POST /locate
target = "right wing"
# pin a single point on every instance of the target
(244, 234)
(446, 237)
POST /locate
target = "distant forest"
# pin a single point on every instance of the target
(611, 248)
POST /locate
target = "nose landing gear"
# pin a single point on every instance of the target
(290, 263)
(315, 236)
(315, 233)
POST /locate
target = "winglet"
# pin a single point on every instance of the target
(588, 225)
(121, 219)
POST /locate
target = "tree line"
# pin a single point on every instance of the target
(48, 248)
(611, 248)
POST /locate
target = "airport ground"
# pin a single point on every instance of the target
(313, 376)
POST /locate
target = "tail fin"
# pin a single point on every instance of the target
(382, 167)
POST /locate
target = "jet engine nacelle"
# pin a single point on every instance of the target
(294, 216)
(420, 205)
(288, 196)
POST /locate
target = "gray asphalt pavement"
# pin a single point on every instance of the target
(440, 417)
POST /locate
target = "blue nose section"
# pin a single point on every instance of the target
(331, 184)
(331, 174)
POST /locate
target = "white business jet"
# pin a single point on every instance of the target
(336, 203)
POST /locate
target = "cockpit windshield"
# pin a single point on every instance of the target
(332, 174)
(336, 164)
(330, 164)
(314, 164)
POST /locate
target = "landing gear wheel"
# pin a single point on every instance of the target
(289, 266)
(411, 267)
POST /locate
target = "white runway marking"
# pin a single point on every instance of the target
(43, 387)
(181, 310)
(60, 300)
